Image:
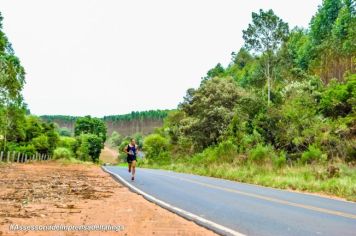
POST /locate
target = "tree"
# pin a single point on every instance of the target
(89, 125)
(265, 35)
(64, 131)
(89, 147)
(155, 146)
(209, 111)
(12, 79)
(217, 71)
(332, 34)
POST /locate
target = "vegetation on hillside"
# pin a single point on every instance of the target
(282, 113)
(138, 115)
(90, 136)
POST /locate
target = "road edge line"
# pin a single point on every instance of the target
(210, 225)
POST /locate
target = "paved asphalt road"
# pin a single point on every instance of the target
(245, 208)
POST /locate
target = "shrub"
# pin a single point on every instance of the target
(41, 143)
(62, 153)
(64, 131)
(67, 142)
(226, 151)
(89, 147)
(115, 139)
(155, 146)
(26, 149)
(281, 160)
(337, 99)
(312, 154)
(261, 153)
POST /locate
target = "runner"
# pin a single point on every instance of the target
(131, 151)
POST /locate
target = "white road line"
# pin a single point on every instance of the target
(199, 220)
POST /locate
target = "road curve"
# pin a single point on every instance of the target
(244, 208)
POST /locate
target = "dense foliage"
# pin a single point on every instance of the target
(91, 136)
(89, 125)
(287, 96)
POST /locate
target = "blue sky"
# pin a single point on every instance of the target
(91, 57)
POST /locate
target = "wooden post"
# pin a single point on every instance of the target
(1, 155)
(8, 156)
(18, 157)
(13, 156)
(25, 158)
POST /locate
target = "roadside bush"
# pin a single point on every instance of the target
(41, 143)
(280, 161)
(62, 153)
(226, 151)
(313, 154)
(26, 149)
(261, 154)
(67, 142)
(89, 147)
(155, 146)
(338, 99)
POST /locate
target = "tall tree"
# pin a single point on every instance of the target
(12, 79)
(89, 125)
(265, 35)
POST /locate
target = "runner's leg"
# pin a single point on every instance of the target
(133, 169)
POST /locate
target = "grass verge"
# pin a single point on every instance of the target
(307, 178)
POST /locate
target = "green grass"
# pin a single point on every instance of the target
(309, 178)
(122, 164)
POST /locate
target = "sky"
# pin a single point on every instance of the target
(105, 57)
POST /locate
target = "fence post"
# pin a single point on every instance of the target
(8, 156)
(18, 157)
(1, 155)
(13, 156)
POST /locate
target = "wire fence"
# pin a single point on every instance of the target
(22, 157)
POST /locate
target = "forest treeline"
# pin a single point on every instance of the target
(127, 124)
(281, 113)
(135, 115)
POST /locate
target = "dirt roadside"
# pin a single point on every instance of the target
(51, 193)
